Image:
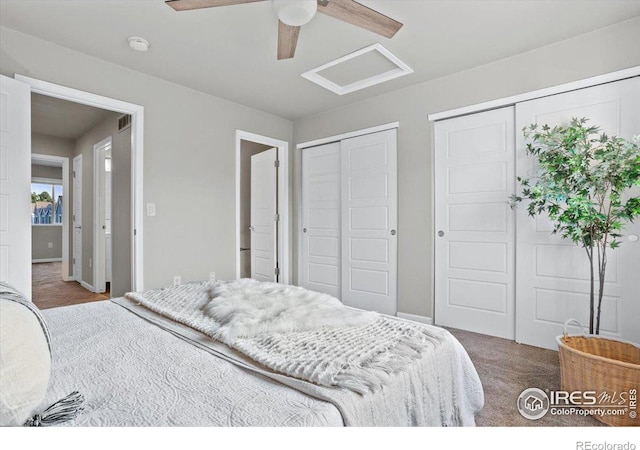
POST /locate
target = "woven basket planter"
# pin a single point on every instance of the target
(594, 363)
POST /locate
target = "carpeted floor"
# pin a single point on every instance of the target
(506, 369)
(49, 291)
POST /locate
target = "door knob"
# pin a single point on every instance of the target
(251, 228)
(304, 230)
(440, 233)
(393, 232)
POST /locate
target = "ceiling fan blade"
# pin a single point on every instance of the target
(287, 40)
(359, 15)
(185, 5)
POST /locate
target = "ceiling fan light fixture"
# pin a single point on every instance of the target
(295, 13)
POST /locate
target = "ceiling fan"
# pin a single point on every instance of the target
(292, 14)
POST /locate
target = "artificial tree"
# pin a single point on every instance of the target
(584, 185)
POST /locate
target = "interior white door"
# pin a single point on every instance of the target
(77, 218)
(100, 152)
(15, 179)
(320, 258)
(264, 208)
(553, 274)
(369, 221)
(474, 243)
(107, 218)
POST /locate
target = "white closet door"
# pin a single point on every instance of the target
(15, 187)
(369, 221)
(553, 274)
(264, 195)
(320, 265)
(474, 243)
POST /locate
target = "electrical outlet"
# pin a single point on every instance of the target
(50, 245)
(151, 209)
(212, 276)
(90, 263)
(177, 280)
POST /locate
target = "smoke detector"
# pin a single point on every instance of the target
(139, 44)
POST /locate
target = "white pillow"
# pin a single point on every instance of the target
(25, 358)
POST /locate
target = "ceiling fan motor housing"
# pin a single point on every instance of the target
(295, 13)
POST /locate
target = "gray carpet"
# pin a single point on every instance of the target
(506, 369)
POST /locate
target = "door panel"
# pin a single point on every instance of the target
(264, 195)
(99, 235)
(77, 218)
(108, 221)
(320, 262)
(474, 244)
(15, 176)
(369, 221)
(553, 274)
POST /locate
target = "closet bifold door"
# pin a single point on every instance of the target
(552, 279)
(369, 221)
(320, 258)
(474, 226)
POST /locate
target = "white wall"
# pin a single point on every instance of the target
(50, 145)
(606, 50)
(41, 236)
(189, 144)
(188, 157)
(121, 212)
(121, 201)
(38, 171)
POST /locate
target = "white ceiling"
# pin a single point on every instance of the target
(60, 118)
(230, 51)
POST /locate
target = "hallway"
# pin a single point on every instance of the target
(49, 291)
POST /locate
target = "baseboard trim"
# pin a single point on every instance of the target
(415, 318)
(46, 260)
(87, 286)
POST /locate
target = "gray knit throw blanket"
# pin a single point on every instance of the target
(296, 332)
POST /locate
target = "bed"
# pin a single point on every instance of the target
(138, 366)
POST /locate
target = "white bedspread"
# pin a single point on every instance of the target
(442, 388)
(133, 373)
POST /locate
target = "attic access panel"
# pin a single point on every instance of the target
(358, 70)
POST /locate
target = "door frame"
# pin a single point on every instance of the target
(38, 157)
(99, 266)
(284, 236)
(75, 196)
(137, 152)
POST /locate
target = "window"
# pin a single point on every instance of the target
(46, 203)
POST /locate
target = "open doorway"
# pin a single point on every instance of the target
(262, 202)
(16, 239)
(258, 236)
(73, 151)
